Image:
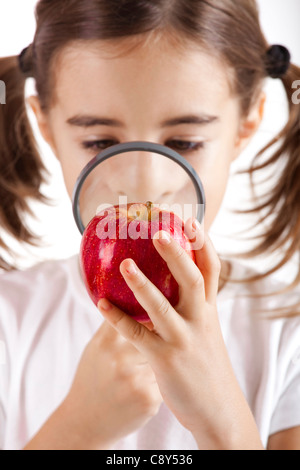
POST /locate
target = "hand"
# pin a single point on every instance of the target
(114, 391)
(185, 347)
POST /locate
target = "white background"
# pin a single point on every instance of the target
(280, 21)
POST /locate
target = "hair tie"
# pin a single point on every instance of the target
(278, 61)
(25, 62)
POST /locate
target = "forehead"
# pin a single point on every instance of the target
(106, 73)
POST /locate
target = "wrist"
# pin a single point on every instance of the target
(229, 441)
(79, 426)
(232, 425)
(237, 432)
(66, 430)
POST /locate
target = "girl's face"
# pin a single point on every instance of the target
(160, 93)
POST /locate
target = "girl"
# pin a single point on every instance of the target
(212, 373)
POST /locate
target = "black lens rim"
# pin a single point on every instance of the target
(133, 147)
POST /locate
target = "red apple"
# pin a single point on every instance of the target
(126, 231)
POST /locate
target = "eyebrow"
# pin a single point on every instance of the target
(192, 119)
(91, 121)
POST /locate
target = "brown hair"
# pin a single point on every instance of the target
(21, 169)
(227, 28)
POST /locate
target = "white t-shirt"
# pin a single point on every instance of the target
(47, 318)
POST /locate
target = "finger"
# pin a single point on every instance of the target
(127, 353)
(129, 356)
(137, 334)
(106, 333)
(163, 316)
(195, 232)
(209, 264)
(113, 339)
(185, 272)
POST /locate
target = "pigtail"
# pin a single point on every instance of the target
(281, 205)
(21, 169)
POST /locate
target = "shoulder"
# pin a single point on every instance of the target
(17, 287)
(33, 294)
(267, 296)
(263, 317)
(263, 311)
(264, 346)
(25, 281)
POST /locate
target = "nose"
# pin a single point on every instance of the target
(146, 177)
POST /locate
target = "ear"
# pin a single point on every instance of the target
(250, 124)
(42, 120)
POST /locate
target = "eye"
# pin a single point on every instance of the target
(98, 145)
(184, 146)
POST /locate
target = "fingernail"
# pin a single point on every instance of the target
(131, 268)
(164, 238)
(196, 225)
(104, 304)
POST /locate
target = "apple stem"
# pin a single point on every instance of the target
(149, 205)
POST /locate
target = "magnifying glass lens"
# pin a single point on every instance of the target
(138, 177)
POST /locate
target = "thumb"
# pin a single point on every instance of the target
(136, 333)
(107, 333)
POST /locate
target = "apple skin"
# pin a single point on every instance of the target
(100, 257)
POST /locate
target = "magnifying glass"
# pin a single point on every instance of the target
(137, 172)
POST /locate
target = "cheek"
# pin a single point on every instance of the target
(69, 157)
(70, 174)
(215, 171)
(214, 190)
(214, 174)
